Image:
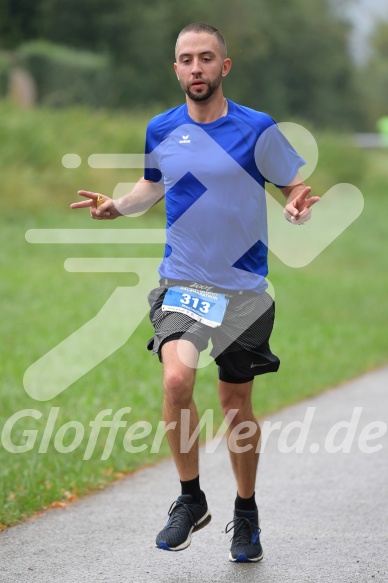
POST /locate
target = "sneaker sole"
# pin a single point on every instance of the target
(245, 559)
(206, 518)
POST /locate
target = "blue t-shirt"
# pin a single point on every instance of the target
(214, 178)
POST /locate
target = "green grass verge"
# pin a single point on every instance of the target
(330, 314)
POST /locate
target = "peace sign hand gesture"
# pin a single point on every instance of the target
(298, 210)
(101, 206)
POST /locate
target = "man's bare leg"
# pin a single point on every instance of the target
(244, 464)
(190, 512)
(246, 545)
(178, 385)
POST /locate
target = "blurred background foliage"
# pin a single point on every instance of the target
(90, 73)
(289, 58)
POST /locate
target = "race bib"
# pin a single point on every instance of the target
(205, 307)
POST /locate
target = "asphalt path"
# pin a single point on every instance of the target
(324, 513)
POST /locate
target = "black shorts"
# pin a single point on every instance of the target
(240, 346)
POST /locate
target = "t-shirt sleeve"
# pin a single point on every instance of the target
(151, 159)
(276, 159)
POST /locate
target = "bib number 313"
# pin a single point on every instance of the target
(205, 307)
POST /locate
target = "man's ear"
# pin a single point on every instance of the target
(226, 67)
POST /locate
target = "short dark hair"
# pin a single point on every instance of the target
(202, 27)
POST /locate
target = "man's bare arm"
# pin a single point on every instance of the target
(142, 197)
(298, 203)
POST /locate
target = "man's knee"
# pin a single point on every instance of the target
(178, 384)
(235, 401)
(177, 380)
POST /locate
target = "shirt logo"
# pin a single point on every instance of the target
(185, 140)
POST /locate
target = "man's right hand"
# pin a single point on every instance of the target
(101, 207)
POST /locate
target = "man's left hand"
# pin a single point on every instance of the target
(298, 210)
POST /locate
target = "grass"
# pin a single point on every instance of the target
(330, 315)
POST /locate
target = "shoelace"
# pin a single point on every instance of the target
(239, 524)
(174, 513)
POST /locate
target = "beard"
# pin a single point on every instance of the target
(204, 94)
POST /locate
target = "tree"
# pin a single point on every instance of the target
(18, 22)
(289, 58)
(374, 75)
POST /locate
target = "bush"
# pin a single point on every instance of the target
(5, 66)
(66, 76)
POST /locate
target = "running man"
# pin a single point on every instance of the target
(210, 158)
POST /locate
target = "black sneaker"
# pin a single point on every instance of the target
(246, 547)
(185, 517)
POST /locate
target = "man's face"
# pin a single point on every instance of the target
(200, 65)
